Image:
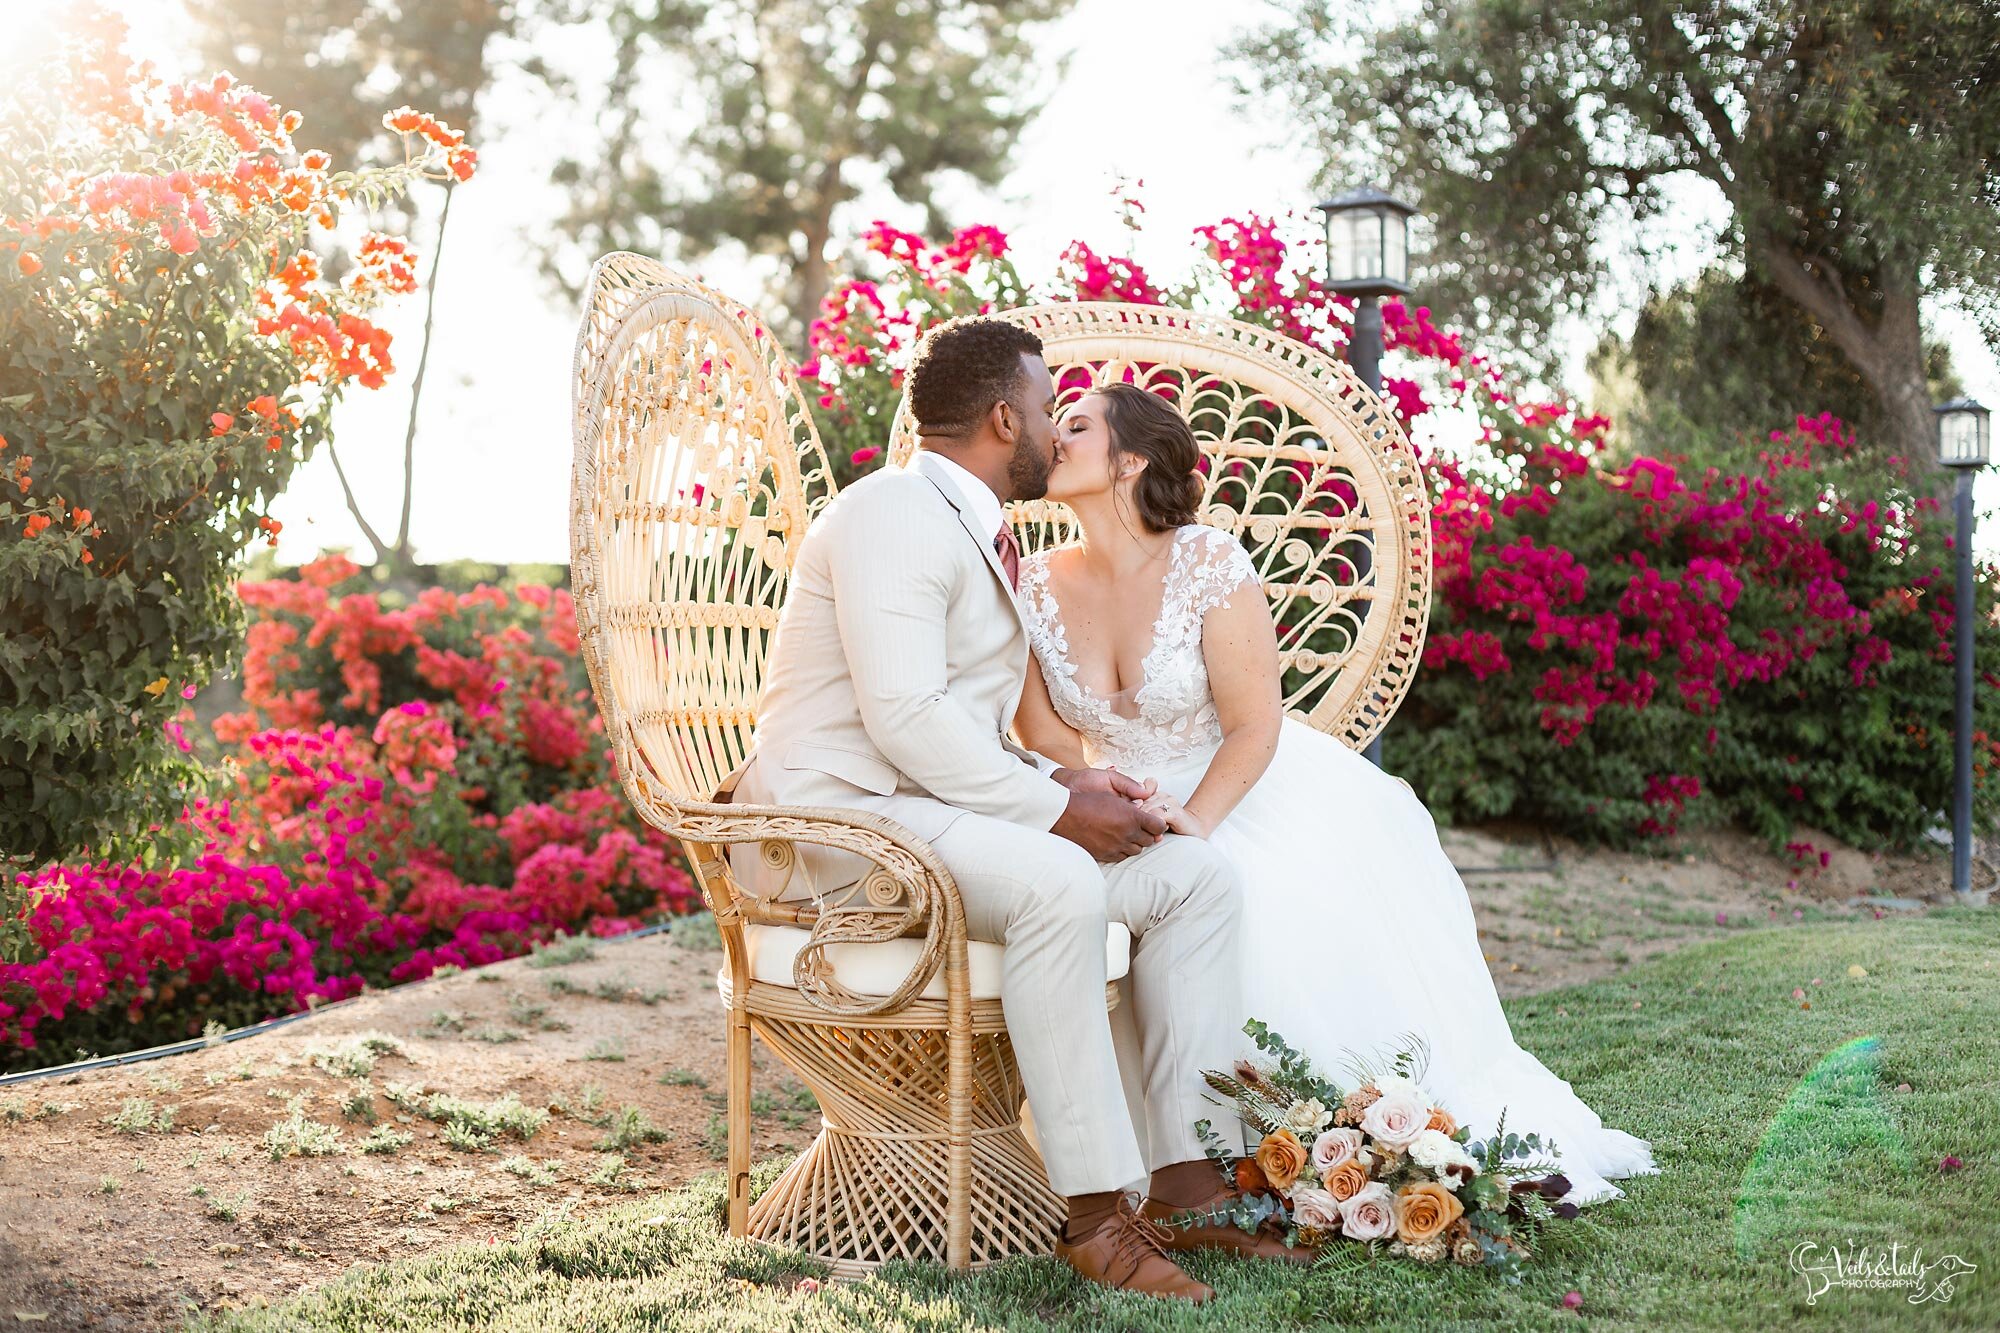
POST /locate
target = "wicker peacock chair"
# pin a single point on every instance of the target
(697, 471)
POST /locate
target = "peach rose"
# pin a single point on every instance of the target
(1346, 1180)
(1334, 1147)
(1282, 1157)
(1442, 1122)
(1315, 1208)
(1395, 1119)
(1424, 1211)
(1370, 1214)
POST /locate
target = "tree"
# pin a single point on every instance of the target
(350, 62)
(1856, 142)
(1720, 361)
(789, 106)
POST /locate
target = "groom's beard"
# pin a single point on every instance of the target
(1028, 471)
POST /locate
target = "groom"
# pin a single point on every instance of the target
(892, 684)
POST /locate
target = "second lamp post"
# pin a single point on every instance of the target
(1368, 258)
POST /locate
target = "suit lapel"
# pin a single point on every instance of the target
(965, 520)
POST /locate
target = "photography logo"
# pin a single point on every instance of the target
(1825, 1267)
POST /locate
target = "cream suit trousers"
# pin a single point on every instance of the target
(1047, 901)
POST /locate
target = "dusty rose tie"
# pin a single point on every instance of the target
(1009, 552)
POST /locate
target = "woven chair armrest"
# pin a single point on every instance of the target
(909, 892)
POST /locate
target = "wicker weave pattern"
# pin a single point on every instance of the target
(1304, 462)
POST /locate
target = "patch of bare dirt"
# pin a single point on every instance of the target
(103, 1227)
(1552, 913)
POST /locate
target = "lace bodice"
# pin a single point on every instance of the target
(1170, 714)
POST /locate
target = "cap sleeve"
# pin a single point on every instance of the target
(1221, 568)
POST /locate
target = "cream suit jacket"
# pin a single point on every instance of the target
(894, 676)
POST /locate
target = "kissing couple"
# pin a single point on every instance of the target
(1140, 770)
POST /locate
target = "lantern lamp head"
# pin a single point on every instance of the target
(1965, 433)
(1368, 243)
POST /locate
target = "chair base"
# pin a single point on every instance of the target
(873, 1186)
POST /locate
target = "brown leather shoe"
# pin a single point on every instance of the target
(1259, 1244)
(1128, 1252)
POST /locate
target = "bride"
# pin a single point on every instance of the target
(1158, 656)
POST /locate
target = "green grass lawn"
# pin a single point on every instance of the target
(1774, 1124)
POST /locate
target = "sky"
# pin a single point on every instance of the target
(1137, 101)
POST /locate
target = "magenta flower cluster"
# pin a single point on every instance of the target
(410, 789)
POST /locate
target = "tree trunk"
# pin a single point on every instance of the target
(1888, 352)
(809, 282)
(382, 552)
(1898, 378)
(402, 551)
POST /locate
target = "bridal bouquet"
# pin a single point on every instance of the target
(1382, 1164)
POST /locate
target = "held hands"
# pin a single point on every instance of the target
(1179, 818)
(1106, 816)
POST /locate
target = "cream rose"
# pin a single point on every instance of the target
(1307, 1118)
(1436, 1153)
(1396, 1118)
(1370, 1214)
(1334, 1147)
(1315, 1208)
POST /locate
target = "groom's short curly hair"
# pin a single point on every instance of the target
(963, 367)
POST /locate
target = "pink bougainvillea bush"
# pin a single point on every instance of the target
(1619, 645)
(406, 787)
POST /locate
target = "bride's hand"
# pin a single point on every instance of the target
(1179, 818)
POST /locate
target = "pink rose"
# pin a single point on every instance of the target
(1315, 1208)
(1370, 1214)
(1334, 1147)
(1396, 1118)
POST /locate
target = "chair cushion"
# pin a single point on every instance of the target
(877, 969)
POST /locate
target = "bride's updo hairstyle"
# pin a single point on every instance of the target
(1145, 425)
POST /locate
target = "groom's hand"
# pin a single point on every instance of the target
(1109, 826)
(1106, 779)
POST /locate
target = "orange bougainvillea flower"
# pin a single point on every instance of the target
(36, 523)
(79, 517)
(274, 443)
(265, 406)
(88, 557)
(29, 263)
(316, 160)
(221, 423)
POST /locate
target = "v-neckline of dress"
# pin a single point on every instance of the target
(1061, 633)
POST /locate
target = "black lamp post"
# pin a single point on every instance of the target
(1368, 258)
(1965, 444)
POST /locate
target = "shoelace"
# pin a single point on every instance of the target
(1138, 1238)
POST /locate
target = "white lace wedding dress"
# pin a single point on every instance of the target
(1357, 929)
